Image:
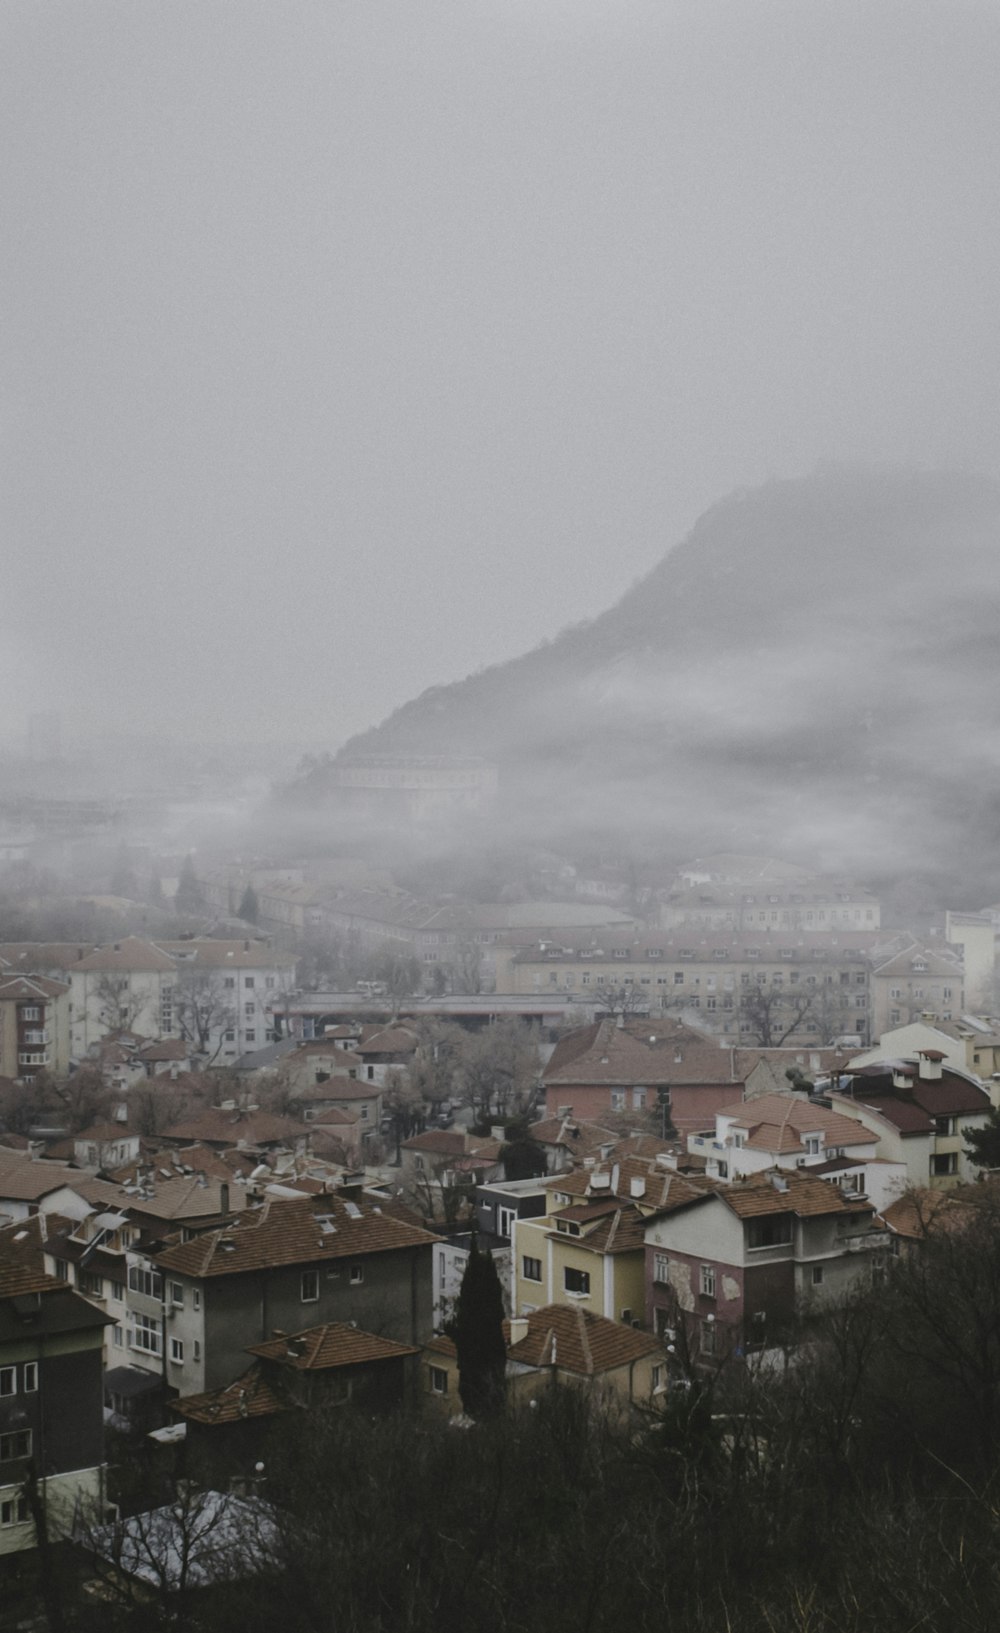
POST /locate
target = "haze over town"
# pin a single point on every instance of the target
(499, 838)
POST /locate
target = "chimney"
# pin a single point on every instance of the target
(637, 1186)
(930, 1068)
(224, 1197)
(518, 1329)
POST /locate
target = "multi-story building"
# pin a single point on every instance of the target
(920, 1110)
(727, 1271)
(51, 1394)
(34, 1026)
(752, 986)
(915, 982)
(291, 1262)
(807, 904)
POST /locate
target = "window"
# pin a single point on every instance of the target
(505, 1221)
(146, 1334)
(118, 1290)
(177, 1350)
(309, 1284)
(197, 1350)
(30, 1012)
(439, 1380)
(230, 1037)
(269, 982)
(617, 1099)
(946, 1163)
(91, 1283)
(531, 1269)
(13, 1511)
(29, 1377)
(817, 1275)
(769, 1232)
(8, 1380)
(577, 1281)
(357, 1274)
(251, 1035)
(706, 1280)
(15, 1444)
(656, 1378)
(249, 1011)
(248, 982)
(117, 1336)
(177, 1293)
(945, 1125)
(143, 1280)
(678, 978)
(638, 1099)
(661, 1267)
(709, 1340)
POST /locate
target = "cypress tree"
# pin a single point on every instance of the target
(478, 1334)
(249, 907)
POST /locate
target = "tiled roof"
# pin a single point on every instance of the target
(22, 1263)
(293, 1232)
(219, 1127)
(793, 1193)
(210, 953)
(573, 1134)
(24, 1180)
(131, 954)
(780, 1122)
(663, 1188)
(920, 1213)
(391, 1040)
(337, 1344)
(250, 1396)
(447, 1142)
(646, 1052)
(584, 1343)
(30, 986)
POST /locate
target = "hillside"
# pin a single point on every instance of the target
(814, 668)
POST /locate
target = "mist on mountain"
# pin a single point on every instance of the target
(811, 672)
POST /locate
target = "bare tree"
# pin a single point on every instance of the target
(204, 1010)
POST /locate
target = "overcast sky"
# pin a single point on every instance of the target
(351, 346)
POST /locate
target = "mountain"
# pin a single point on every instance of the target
(813, 670)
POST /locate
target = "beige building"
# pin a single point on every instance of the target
(34, 1026)
(913, 984)
(710, 979)
(810, 904)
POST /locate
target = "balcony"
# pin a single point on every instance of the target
(36, 1036)
(32, 1057)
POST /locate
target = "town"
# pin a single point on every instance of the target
(296, 1145)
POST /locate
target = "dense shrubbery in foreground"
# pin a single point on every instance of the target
(854, 1493)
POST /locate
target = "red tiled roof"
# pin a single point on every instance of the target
(290, 1231)
(249, 1396)
(584, 1343)
(337, 1344)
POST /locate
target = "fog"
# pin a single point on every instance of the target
(350, 348)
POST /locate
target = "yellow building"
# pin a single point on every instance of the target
(589, 1255)
(559, 1345)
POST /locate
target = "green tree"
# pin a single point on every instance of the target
(189, 898)
(983, 1144)
(249, 907)
(478, 1334)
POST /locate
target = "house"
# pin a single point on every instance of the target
(386, 1050)
(920, 1109)
(324, 1258)
(640, 1066)
(559, 1344)
(34, 1025)
(51, 1394)
(227, 997)
(568, 1140)
(444, 1165)
(778, 1131)
(728, 1269)
(227, 1125)
(913, 982)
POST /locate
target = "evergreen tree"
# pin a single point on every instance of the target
(478, 1333)
(983, 1144)
(249, 907)
(521, 1154)
(189, 898)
